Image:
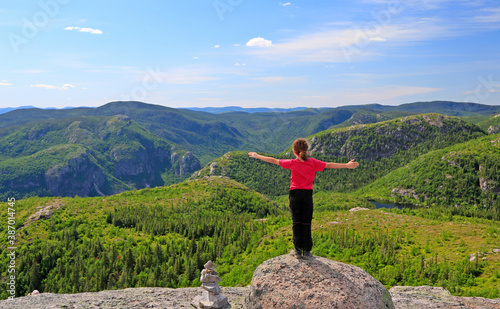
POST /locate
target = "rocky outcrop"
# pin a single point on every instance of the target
(187, 164)
(136, 298)
(493, 129)
(404, 297)
(43, 212)
(213, 168)
(139, 166)
(416, 297)
(383, 140)
(78, 176)
(488, 185)
(314, 282)
(404, 192)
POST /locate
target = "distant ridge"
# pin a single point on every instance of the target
(226, 109)
(9, 109)
(442, 107)
(450, 108)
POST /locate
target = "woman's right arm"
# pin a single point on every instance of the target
(351, 164)
(264, 158)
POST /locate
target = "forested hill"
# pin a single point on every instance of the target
(491, 125)
(152, 237)
(379, 148)
(462, 178)
(388, 138)
(86, 156)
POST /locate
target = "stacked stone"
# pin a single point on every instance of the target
(211, 297)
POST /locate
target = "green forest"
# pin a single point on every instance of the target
(162, 237)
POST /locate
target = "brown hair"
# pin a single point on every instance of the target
(300, 147)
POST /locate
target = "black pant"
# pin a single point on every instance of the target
(301, 207)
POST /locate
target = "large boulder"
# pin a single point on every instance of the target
(314, 282)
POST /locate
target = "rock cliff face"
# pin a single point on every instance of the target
(314, 282)
(185, 164)
(78, 176)
(139, 166)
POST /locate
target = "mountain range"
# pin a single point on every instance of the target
(131, 145)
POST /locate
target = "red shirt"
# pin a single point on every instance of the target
(303, 172)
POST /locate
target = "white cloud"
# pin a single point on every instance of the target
(260, 42)
(274, 79)
(67, 86)
(196, 58)
(44, 86)
(89, 30)
(345, 44)
(52, 87)
(216, 46)
(492, 15)
(4, 83)
(285, 4)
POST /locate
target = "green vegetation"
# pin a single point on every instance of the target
(403, 248)
(152, 237)
(379, 148)
(461, 179)
(163, 236)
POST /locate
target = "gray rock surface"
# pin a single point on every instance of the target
(286, 278)
(315, 282)
(188, 164)
(137, 298)
(416, 297)
(404, 297)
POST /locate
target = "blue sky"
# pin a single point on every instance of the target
(60, 53)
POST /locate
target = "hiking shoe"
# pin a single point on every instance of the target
(295, 253)
(307, 254)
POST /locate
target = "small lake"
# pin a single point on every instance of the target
(385, 205)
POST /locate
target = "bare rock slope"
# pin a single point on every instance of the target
(282, 282)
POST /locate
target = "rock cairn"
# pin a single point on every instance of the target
(211, 297)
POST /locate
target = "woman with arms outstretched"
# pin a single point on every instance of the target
(303, 170)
